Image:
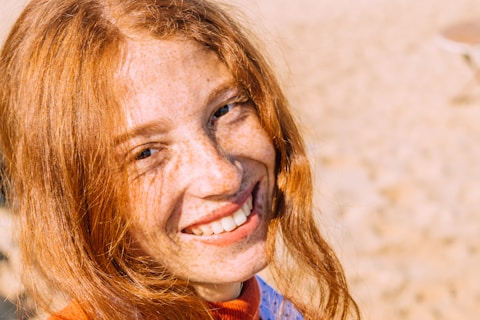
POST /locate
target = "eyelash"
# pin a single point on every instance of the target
(220, 112)
(146, 151)
(141, 155)
(216, 114)
(148, 157)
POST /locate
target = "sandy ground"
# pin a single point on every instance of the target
(391, 121)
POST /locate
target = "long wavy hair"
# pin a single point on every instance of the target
(59, 109)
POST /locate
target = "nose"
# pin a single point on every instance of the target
(211, 171)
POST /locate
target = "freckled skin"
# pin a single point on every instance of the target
(197, 163)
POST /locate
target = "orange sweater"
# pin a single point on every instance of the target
(245, 307)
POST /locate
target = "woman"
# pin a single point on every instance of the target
(156, 169)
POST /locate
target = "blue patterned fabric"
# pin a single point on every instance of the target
(273, 306)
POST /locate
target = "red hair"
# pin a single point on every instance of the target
(59, 106)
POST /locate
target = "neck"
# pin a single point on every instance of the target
(219, 292)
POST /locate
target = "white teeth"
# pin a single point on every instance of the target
(239, 217)
(225, 224)
(217, 227)
(228, 223)
(197, 231)
(250, 204)
(246, 209)
(205, 230)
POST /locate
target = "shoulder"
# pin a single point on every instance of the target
(274, 306)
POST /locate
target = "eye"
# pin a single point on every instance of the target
(223, 111)
(146, 153)
(230, 110)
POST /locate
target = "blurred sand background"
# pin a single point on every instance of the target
(392, 127)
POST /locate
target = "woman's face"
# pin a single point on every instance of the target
(201, 167)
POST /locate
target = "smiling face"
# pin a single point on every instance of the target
(201, 167)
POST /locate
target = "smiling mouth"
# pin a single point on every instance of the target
(225, 224)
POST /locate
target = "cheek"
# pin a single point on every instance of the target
(250, 141)
(145, 202)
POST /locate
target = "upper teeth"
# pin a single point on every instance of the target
(225, 224)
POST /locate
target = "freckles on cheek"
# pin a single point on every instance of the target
(252, 141)
(144, 201)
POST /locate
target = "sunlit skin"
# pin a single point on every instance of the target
(196, 153)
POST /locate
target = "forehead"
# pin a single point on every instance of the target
(160, 53)
(152, 59)
(165, 77)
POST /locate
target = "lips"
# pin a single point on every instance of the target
(224, 224)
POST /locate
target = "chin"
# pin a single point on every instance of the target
(237, 268)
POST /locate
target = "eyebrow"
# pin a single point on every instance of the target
(149, 128)
(222, 89)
